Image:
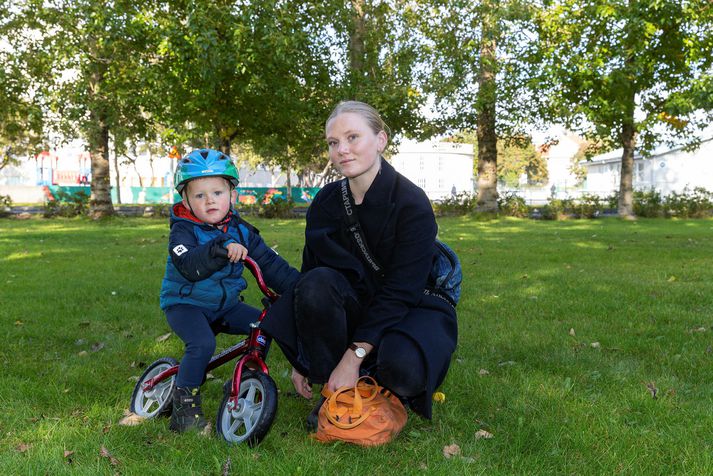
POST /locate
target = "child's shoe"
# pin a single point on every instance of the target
(187, 412)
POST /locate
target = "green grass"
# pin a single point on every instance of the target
(555, 404)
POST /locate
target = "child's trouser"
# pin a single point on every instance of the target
(197, 328)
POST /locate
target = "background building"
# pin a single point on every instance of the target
(666, 170)
(439, 168)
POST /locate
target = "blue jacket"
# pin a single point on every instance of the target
(197, 275)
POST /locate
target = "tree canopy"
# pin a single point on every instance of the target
(624, 71)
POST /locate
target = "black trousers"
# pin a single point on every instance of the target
(326, 312)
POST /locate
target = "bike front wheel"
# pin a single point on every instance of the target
(251, 417)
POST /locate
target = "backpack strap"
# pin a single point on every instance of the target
(354, 228)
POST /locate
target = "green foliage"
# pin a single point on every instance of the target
(277, 209)
(66, 204)
(647, 203)
(556, 209)
(460, 204)
(622, 71)
(516, 156)
(511, 204)
(5, 204)
(696, 203)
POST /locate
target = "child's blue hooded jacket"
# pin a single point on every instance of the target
(196, 274)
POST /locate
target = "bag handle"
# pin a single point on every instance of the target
(365, 390)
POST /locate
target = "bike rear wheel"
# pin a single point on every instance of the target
(158, 400)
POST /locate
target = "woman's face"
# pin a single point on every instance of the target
(354, 148)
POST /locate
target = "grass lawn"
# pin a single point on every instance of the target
(567, 332)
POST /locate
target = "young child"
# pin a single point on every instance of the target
(200, 293)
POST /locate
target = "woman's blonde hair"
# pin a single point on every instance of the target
(370, 115)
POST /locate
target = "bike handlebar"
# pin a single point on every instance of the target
(254, 268)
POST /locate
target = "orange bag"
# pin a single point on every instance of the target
(366, 415)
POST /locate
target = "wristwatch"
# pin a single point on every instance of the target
(359, 351)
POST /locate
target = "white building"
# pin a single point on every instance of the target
(666, 170)
(437, 167)
(559, 162)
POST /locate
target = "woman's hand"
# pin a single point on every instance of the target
(301, 384)
(346, 373)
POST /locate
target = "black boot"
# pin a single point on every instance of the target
(313, 417)
(187, 411)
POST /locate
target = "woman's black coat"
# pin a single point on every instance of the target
(398, 223)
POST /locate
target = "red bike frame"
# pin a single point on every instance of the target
(251, 349)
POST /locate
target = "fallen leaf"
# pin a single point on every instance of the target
(209, 376)
(571, 332)
(698, 329)
(18, 323)
(439, 397)
(131, 419)
(133, 378)
(106, 429)
(163, 337)
(22, 447)
(97, 346)
(451, 450)
(483, 434)
(672, 279)
(83, 353)
(651, 386)
(483, 372)
(104, 453)
(68, 453)
(226, 467)
(506, 362)
(596, 345)
(207, 431)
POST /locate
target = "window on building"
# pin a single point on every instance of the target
(422, 182)
(639, 172)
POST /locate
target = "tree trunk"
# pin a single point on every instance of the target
(357, 48)
(117, 176)
(225, 146)
(288, 184)
(487, 201)
(628, 143)
(626, 181)
(98, 139)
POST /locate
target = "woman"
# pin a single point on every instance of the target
(345, 317)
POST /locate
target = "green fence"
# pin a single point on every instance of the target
(147, 195)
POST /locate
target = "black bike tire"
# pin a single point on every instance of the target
(268, 412)
(167, 406)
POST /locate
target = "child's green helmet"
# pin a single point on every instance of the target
(204, 163)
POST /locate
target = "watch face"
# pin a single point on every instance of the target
(360, 352)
